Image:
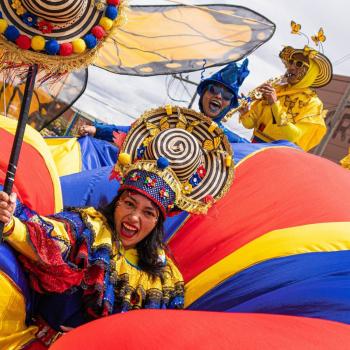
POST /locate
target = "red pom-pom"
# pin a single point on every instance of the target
(113, 2)
(24, 42)
(66, 49)
(98, 32)
(209, 199)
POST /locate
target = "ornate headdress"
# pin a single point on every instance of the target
(178, 158)
(325, 66)
(59, 36)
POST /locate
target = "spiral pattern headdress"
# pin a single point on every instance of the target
(325, 66)
(57, 35)
(185, 155)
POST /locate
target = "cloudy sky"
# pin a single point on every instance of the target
(120, 99)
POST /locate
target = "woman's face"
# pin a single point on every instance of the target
(215, 98)
(135, 217)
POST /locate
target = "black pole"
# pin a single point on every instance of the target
(21, 126)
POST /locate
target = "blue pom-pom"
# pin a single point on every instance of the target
(90, 41)
(11, 33)
(111, 12)
(0, 15)
(52, 47)
(162, 163)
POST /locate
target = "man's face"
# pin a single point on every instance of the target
(297, 68)
(215, 98)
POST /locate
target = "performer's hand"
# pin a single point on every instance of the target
(269, 93)
(66, 329)
(7, 206)
(85, 130)
(245, 105)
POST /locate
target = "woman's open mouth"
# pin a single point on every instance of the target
(127, 230)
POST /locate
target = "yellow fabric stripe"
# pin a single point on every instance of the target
(14, 333)
(9, 226)
(33, 138)
(18, 239)
(66, 154)
(325, 237)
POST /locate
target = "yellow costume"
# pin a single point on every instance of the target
(75, 261)
(14, 333)
(91, 260)
(297, 116)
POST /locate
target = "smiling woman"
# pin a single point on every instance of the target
(138, 225)
(85, 263)
(136, 216)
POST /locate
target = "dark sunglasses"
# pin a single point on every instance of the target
(216, 89)
(298, 63)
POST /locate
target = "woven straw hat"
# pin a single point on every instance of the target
(187, 150)
(326, 70)
(58, 35)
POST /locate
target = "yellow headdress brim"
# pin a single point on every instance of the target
(325, 66)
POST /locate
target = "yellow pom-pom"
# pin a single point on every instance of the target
(124, 159)
(106, 23)
(228, 160)
(79, 46)
(38, 43)
(3, 26)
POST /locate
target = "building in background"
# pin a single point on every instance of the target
(336, 98)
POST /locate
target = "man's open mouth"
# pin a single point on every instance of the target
(214, 106)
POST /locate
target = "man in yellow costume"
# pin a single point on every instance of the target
(291, 110)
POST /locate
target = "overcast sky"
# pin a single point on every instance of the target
(120, 99)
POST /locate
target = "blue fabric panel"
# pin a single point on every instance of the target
(105, 131)
(96, 153)
(173, 223)
(12, 268)
(233, 137)
(89, 188)
(242, 150)
(61, 309)
(311, 285)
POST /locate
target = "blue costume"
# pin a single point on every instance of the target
(231, 76)
(105, 131)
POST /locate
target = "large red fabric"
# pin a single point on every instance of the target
(169, 329)
(273, 189)
(33, 180)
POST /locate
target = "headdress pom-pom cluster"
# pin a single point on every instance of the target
(124, 159)
(162, 163)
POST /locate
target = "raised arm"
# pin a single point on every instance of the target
(25, 230)
(102, 131)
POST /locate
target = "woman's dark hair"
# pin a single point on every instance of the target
(148, 248)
